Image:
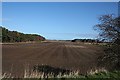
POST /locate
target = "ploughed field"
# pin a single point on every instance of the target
(66, 55)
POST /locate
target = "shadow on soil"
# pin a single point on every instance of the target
(49, 69)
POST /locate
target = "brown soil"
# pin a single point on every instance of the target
(66, 55)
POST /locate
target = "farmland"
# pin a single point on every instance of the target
(61, 54)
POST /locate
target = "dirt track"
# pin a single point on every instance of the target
(66, 55)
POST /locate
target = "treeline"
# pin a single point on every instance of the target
(14, 36)
(87, 40)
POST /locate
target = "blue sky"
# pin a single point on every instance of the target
(56, 20)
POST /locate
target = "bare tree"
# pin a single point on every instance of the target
(109, 30)
(109, 27)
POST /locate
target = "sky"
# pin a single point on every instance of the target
(60, 0)
(56, 20)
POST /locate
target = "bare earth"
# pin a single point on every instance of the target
(67, 55)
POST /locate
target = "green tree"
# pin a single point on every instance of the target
(14, 36)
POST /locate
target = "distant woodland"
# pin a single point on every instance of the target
(14, 36)
(87, 40)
